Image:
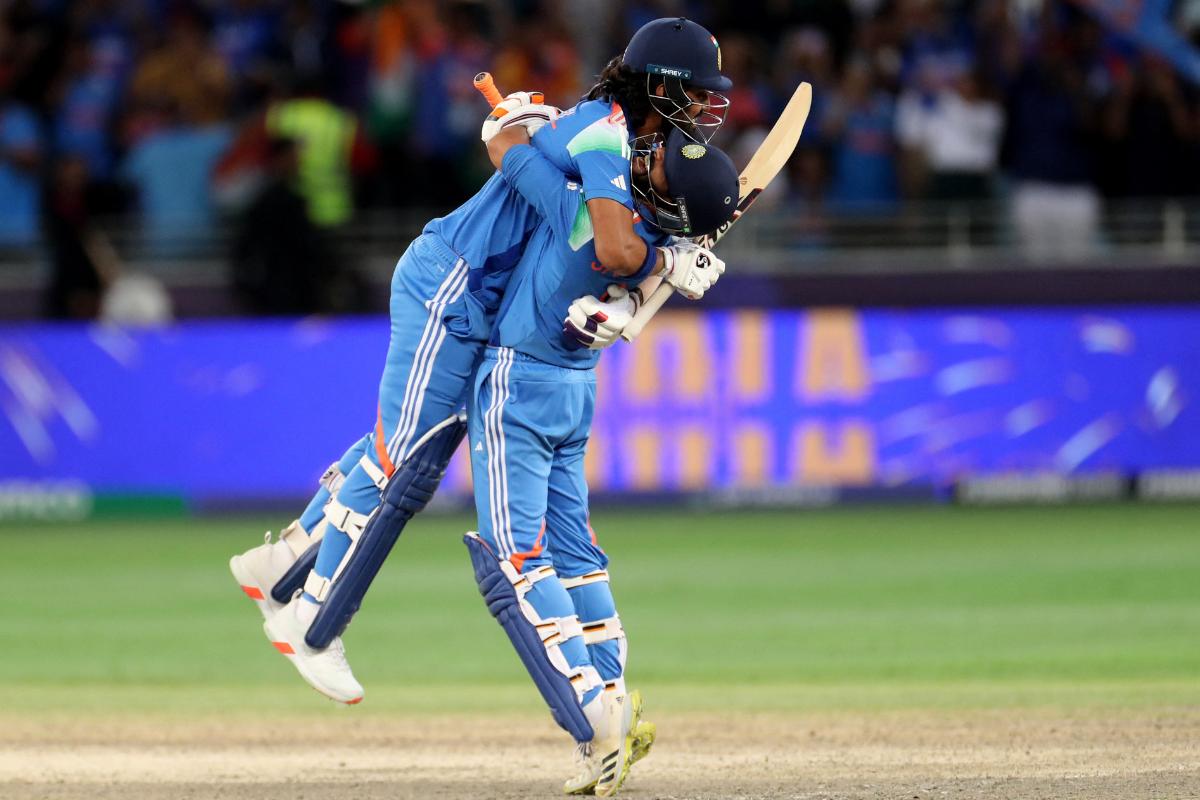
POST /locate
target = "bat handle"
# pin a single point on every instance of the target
(487, 88)
(648, 309)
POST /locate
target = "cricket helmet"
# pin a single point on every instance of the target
(702, 185)
(680, 48)
(682, 56)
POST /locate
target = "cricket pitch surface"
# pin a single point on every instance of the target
(1006, 754)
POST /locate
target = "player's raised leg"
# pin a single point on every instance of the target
(423, 386)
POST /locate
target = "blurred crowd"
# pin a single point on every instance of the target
(285, 116)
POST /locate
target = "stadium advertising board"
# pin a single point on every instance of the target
(735, 404)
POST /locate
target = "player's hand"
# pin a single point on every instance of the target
(690, 268)
(596, 323)
(527, 109)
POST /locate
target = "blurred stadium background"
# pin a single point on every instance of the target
(976, 284)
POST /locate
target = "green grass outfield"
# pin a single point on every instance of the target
(879, 608)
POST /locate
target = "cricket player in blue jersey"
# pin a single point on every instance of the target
(536, 560)
(444, 295)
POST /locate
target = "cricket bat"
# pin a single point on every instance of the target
(768, 160)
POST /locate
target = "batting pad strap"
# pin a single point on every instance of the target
(554, 632)
(523, 582)
(603, 630)
(583, 679)
(373, 472)
(298, 539)
(317, 586)
(333, 478)
(599, 576)
(345, 519)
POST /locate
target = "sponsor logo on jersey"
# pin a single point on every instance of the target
(619, 182)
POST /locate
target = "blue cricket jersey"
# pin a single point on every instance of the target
(589, 142)
(558, 266)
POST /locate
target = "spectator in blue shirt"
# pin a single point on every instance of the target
(171, 171)
(859, 124)
(20, 157)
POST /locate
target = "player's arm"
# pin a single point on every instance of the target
(604, 173)
(542, 184)
(536, 179)
(499, 145)
(618, 247)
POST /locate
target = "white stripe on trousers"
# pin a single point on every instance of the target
(497, 472)
(423, 359)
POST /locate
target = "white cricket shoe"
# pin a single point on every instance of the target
(604, 761)
(326, 670)
(258, 569)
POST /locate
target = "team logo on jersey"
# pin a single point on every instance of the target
(693, 151)
(619, 182)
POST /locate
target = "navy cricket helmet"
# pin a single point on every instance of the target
(686, 59)
(679, 48)
(701, 193)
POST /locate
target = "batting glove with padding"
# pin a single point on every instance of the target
(527, 109)
(596, 323)
(690, 268)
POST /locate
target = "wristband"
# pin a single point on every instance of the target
(647, 265)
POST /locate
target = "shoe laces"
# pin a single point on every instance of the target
(337, 651)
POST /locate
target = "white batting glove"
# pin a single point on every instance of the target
(527, 109)
(596, 323)
(690, 268)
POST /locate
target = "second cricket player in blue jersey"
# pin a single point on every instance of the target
(536, 559)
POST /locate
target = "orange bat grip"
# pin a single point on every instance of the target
(487, 87)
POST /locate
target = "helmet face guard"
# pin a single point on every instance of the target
(668, 214)
(675, 103)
